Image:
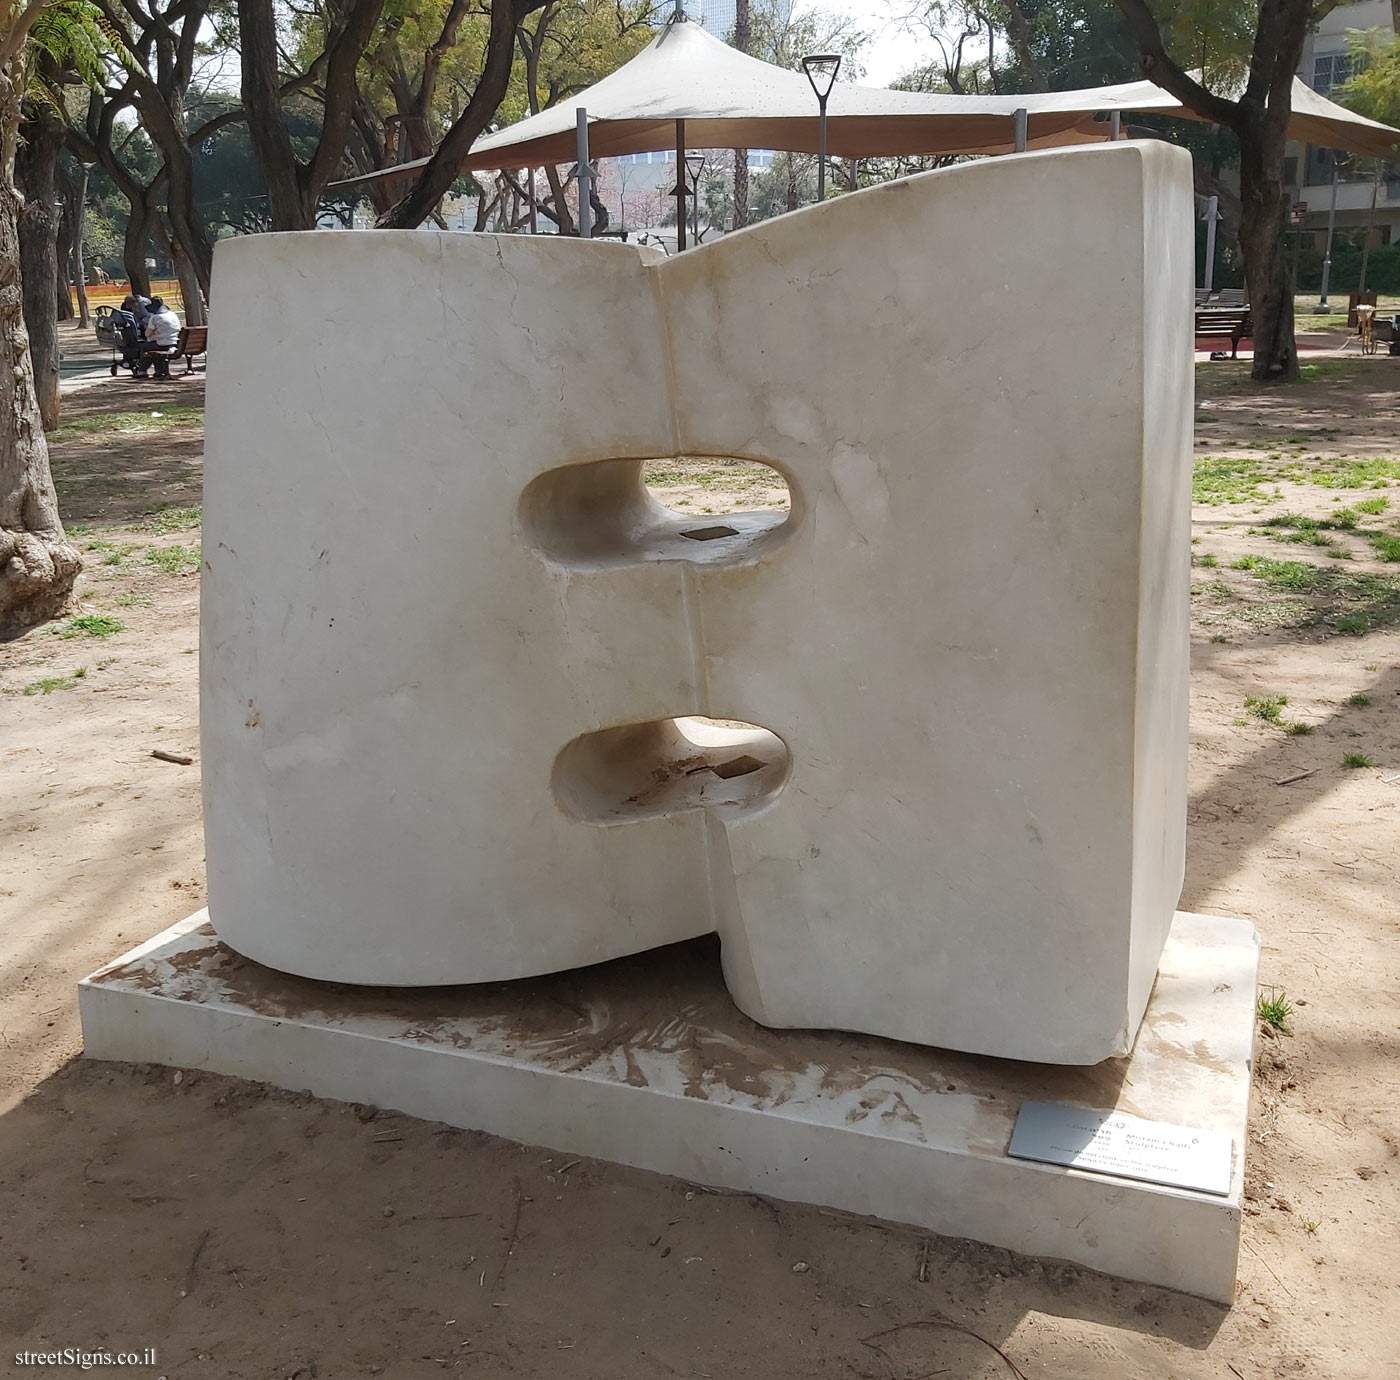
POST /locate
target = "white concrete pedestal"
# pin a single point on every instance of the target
(646, 1061)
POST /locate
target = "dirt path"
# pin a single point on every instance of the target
(248, 1233)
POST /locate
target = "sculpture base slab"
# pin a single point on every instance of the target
(645, 1061)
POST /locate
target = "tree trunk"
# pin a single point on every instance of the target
(63, 288)
(1263, 213)
(37, 160)
(79, 230)
(138, 235)
(38, 565)
(562, 218)
(190, 288)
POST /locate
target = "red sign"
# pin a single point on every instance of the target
(1298, 213)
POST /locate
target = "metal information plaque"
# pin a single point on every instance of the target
(1128, 1146)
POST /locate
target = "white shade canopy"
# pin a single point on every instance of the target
(730, 100)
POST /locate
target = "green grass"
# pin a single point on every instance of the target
(1274, 1010)
(1290, 575)
(171, 518)
(1351, 602)
(1386, 545)
(1356, 760)
(1266, 708)
(709, 472)
(1209, 561)
(89, 625)
(1373, 507)
(128, 600)
(1359, 700)
(107, 423)
(51, 683)
(1218, 479)
(1333, 473)
(1298, 730)
(174, 560)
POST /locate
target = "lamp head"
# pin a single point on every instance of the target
(821, 70)
(695, 164)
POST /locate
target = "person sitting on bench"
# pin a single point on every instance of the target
(162, 336)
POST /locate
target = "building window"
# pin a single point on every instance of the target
(1331, 71)
(1318, 171)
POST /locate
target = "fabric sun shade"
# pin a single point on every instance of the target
(730, 100)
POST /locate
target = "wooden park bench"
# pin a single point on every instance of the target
(1224, 321)
(194, 340)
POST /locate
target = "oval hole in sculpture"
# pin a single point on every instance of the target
(708, 510)
(665, 766)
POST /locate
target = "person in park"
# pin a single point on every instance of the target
(162, 335)
(139, 307)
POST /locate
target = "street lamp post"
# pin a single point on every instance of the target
(695, 165)
(821, 70)
(1331, 226)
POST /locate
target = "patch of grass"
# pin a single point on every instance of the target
(51, 683)
(1296, 528)
(128, 600)
(174, 560)
(1218, 637)
(89, 625)
(1359, 700)
(106, 423)
(1209, 561)
(1352, 602)
(1375, 471)
(1356, 760)
(1266, 708)
(1291, 575)
(1274, 1009)
(119, 555)
(1373, 507)
(1218, 479)
(1386, 545)
(171, 518)
(1298, 730)
(1308, 1225)
(737, 476)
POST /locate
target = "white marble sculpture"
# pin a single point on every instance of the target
(460, 670)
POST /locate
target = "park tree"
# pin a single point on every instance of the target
(597, 37)
(38, 564)
(296, 180)
(1258, 116)
(1374, 89)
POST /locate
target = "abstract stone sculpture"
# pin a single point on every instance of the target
(461, 671)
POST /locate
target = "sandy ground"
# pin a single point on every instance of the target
(244, 1232)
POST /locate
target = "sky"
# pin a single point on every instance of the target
(894, 49)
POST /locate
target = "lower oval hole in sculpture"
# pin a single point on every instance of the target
(708, 510)
(665, 766)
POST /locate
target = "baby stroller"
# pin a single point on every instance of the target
(118, 329)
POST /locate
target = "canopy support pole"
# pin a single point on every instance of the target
(1117, 125)
(1020, 119)
(680, 185)
(534, 211)
(585, 190)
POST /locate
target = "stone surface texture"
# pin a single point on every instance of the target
(645, 1061)
(457, 662)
